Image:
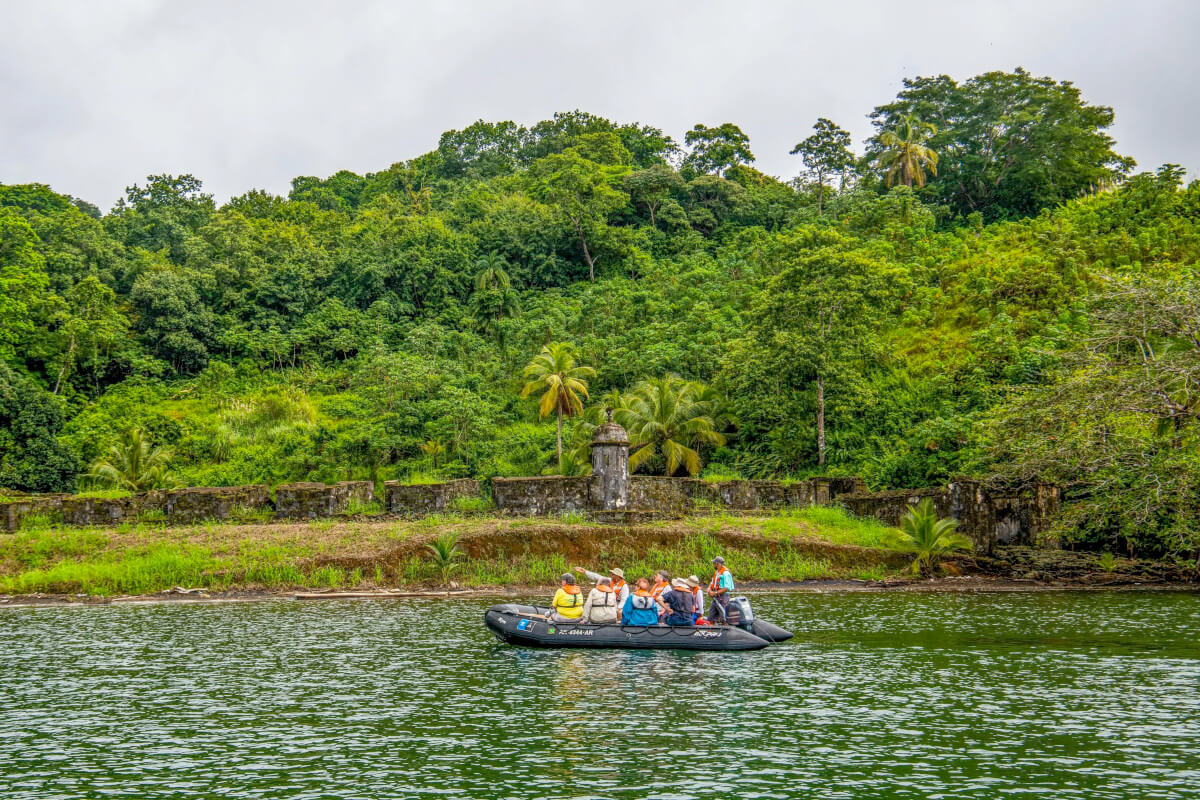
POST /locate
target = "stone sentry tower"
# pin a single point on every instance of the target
(610, 466)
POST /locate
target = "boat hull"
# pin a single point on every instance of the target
(513, 624)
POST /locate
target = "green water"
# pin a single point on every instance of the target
(879, 696)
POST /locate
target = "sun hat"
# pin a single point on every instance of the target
(692, 580)
(620, 573)
(679, 583)
(719, 560)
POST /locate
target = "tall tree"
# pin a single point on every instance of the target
(1118, 424)
(90, 326)
(494, 297)
(653, 186)
(22, 281)
(817, 321)
(1009, 144)
(562, 383)
(825, 153)
(582, 191)
(903, 154)
(715, 150)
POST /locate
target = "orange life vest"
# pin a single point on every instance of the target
(618, 585)
(712, 585)
(659, 588)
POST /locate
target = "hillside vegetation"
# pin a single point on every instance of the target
(988, 288)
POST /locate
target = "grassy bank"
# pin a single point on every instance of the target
(138, 559)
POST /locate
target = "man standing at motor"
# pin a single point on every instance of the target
(719, 589)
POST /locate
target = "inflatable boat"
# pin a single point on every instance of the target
(526, 626)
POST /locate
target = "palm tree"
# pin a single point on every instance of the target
(134, 464)
(492, 274)
(445, 554)
(494, 298)
(671, 416)
(905, 154)
(433, 448)
(554, 373)
(927, 537)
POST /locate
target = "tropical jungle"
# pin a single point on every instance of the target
(985, 287)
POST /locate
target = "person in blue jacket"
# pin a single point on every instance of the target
(641, 608)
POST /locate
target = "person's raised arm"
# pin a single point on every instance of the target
(591, 576)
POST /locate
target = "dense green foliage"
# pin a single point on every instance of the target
(378, 325)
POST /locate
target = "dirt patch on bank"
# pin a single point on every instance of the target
(599, 546)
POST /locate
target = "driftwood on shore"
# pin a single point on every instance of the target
(343, 595)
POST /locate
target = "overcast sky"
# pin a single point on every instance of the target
(97, 95)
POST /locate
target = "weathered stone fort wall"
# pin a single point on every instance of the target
(988, 516)
(610, 495)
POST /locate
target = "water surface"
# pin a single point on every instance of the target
(1071, 695)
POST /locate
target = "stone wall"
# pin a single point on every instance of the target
(15, 510)
(988, 516)
(184, 506)
(540, 496)
(427, 498)
(178, 506)
(313, 500)
(647, 493)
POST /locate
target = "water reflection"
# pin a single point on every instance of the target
(888, 696)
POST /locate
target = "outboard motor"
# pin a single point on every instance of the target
(740, 613)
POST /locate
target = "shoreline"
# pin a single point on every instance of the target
(957, 584)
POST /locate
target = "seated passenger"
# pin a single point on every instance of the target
(678, 603)
(662, 582)
(620, 587)
(697, 596)
(640, 607)
(567, 605)
(602, 604)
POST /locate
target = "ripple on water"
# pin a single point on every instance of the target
(887, 696)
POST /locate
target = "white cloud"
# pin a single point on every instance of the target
(249, 95)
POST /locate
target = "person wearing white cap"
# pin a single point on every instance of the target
(693, 583)
(678, 603)
(618, 581)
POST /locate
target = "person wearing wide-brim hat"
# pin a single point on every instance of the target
(618, 581)
(719, 589)
(693, 583)
(678, 603)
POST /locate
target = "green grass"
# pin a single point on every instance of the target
(422, 479)
(833, 524)
(471, 504)
(38, 522)
(141, 557)
(104, 494)
(355, 507)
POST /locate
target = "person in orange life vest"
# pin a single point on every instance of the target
(719, 589)
(662, 582)
(678, 603)
(618, 581)
(601, 606)
(567, 605)
(693, 583)
(640, 607)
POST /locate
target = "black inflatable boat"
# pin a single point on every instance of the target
(522, 626)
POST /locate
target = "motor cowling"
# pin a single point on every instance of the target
(740, 612)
